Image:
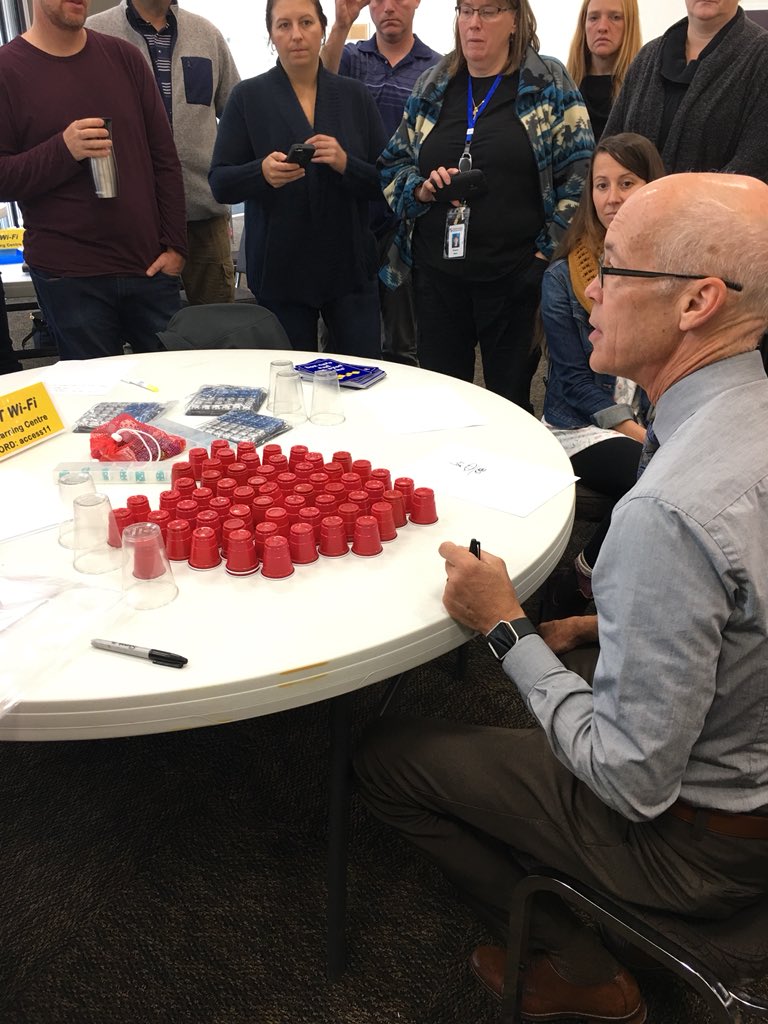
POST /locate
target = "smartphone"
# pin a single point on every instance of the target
(300, 153)
(464, 185)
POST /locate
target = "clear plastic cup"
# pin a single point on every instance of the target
(274, 368)
(71, 486)
(326, 409)
(93, 553)
(288, 397)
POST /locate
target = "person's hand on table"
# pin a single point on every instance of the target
(428, 189)
(563, 635)
(479, 592)
(328, 151)
(87, 138)
(277, 172)
(169, 262)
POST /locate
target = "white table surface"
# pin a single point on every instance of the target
(254, 645)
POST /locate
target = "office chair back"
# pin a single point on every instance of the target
(223, 325)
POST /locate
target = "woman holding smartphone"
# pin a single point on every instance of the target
(309, 249)
(493, 105)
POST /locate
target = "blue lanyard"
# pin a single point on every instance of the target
(472, 114)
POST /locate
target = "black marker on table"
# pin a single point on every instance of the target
(153, 655)
(474, 548)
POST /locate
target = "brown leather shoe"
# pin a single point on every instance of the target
(547, 996)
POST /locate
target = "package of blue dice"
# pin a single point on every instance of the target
(103, 412)
(217, 399)
(241, 425)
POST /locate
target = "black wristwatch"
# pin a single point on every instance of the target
(504, 635)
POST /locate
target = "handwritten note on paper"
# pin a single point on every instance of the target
(423, 412)
(492, 479)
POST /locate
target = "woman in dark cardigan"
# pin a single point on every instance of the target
(309, 249)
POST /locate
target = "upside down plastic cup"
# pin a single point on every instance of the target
(423, 511)
(301, 543)
(397, 501)
(344, 459)
(179, 470)
(349, 511)
(260, 534)
(71, 486)
(169, 500)
(404, 484)
(382, 510)
(276, 564)
(147, 576)
(210, 517)
(288, 398)
(247, 447)
(178, 540)
(204, 551)
(367, 540)
(93, 553)
(228, 527)
(275, 367)
(333, 537)
(162, 517)
(296, 455)
(241, 554)
(383, 475)
(326, 409)
(120, 518)
(311, 514)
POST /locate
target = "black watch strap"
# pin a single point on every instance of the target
(504, 635)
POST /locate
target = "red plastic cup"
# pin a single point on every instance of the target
(214, 462)
(227, 528)
(270, 490)
(375, 489)
(204, 551)
(256, 481)
(225, 487)
(217, 445)
(349, 511)
(326, 503)
(138, 506)
(169, 500)
(246, 448)
(293, 504)
(209, 517)
(179, 470)
(305, 491)
(262, 532)
(203, 497)
(280, 462)
(334, 470)
(268, 472)
(178, 540)
(362, 499)
(382, 510)
(423, 510)
(259, 507)
(239, 472)
(333, 537)
(162, 517)
(243, 495)
(367, 540)
(118, 520)
(250, 460)
(337, 489)
(270, 449)
(279, 516)
(315, 459)
(221, 507)
(242, 559)
(301, 543)
(243, 512)
(384, 476)
(318, 479)
(345, 460)
(185, 485)
(210, 478)
(286, 481)
(148, 561)
(363, 469)
(276, 564)
(187, 509)
(404, 484)
(226, 457)
(297, 453)
(397, 500)
(303, 470)
(351, 481)
(197, 457)
(310, 514)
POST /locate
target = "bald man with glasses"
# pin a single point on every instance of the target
(649, 780)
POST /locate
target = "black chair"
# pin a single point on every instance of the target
(718, 959)
(223, 325)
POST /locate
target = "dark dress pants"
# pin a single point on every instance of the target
(454, 314)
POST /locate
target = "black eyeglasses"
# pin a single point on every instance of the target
(622, 272)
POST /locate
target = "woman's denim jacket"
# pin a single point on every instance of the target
(576, 396)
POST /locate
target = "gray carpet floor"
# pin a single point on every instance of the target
(180, 877)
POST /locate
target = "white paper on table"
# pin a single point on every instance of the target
(34, 504)
(417, 412)
(491, 479)
(82, 377)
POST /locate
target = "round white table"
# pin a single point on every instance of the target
(255, 645)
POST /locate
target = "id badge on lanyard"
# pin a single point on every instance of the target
(457, 218)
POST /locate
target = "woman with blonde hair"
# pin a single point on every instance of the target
(606, 41)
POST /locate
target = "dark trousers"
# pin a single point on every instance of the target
(453, 315)
(398, 316)
(609, 467)
(95, 316)
(482, 802)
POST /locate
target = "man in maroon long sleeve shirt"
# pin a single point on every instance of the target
(105, 270)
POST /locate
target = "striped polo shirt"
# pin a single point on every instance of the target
(160, 45)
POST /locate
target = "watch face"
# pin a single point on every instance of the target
(501, 639)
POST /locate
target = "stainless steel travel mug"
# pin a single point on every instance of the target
(104, 170)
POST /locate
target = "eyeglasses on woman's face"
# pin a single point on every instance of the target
(603, 271)
(486, 13)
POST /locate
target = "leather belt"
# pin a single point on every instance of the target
(741, 826)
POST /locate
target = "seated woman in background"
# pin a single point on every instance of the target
(309, 249)
(599, 419)
(494, 105)
(605, 43)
